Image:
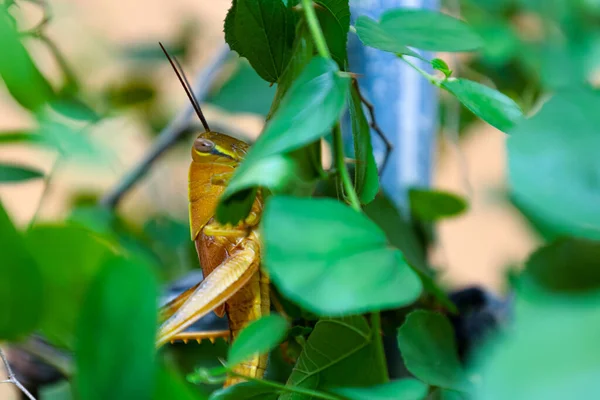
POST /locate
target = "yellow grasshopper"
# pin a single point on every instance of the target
(230, 256)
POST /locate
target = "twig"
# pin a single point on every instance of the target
(373, 124)
(170, 134)
(12, 378)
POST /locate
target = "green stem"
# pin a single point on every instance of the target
(315, 28)
(378, 343)
(338, 145)
(293, 389)
(427, 76)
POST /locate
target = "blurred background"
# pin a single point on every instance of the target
(110, 48)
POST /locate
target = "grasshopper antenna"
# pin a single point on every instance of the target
(186, 86)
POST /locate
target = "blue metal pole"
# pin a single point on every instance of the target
(405, 105)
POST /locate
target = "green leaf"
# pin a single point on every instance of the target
(20, 286)
(259, 337)
(488, 104)
(334, 18)
(549, 352)
(432, 205)
(115, 346)
(244, 92)
(246, 391)
(132, 93)
(426, 341)
(77, 145)
(56, 391)
(440, 65)
(16, 173)
(263, 32)
(331, 355)
(567, 266)
(404, 389)
(169, 385)
(74, 108)
(69, 258)
(366, 174)
(22, 78)
(332, 260)
(11, 137)
(371, 34)
(307, 113)
(559, 142)
(429, 30)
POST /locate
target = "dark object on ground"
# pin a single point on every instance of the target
(480, 314)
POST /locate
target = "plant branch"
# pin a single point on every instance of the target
(315, 28)
(176, 128)
(338, 146)
(375, 126)
(435, 81)
(292, 389)
(12, 378)
(378, 342)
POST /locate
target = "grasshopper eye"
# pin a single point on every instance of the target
(203, 145)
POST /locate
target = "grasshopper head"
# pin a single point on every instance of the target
(218, 148)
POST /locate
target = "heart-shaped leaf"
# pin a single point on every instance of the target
(332, 260)
(263, 32)
(427, 344)
(259, 336)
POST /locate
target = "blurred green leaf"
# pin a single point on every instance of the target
(559, 142)
(488, 104)
(549, 353)
(260, 337)
(404, 389)
(76, 145)
(338, 262)
(57, 391)
(371, 34)
(426, 341)
(334, 19)
(169, 385)
(17, 173)
(246, 391)
(131, 93)
(366, 175)
(20, 286)
(332, 356)
(74, 108)
(263, 32)
(171, 232)
(118, 317)
(244, 92)
(432, 205)
(308, 111)
(22, 78)
(12, 137)
(568, 265)
(422, 29)
(69, 258)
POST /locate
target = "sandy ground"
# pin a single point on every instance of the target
(474, 249)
